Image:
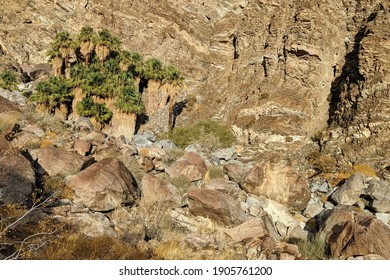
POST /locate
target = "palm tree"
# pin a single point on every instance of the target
(61, 48)
(87, 40)
(131, 61)
(105, 43)
(152, 69)
(173, 77)
(56, 61)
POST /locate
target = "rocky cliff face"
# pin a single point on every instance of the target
(278, 71)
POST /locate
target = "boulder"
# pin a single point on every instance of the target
(257, 228)
(103, 186)
(141, 141)
(17, 180)
(223, 185)
(224, 155)
(378, 196)
(6, 105)
(280, 183)
(83, 124)
(350, 233)
(34, 129)
(235, 170)
(92, 224)
(26, 140)
(217, 206)
(55, 161)
(10, 122)
(157, 191)
(82, 147)
(190, 165)
(349, 193)
(165, 144)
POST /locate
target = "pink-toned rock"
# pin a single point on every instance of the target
(191, 165)
(17, 179)
(351, 233)
(56, 161)
(222, 185)
(235, 171)
(82, 147)
(280, 183)
(217, 206)
(157, 191)
(254, 229)
(103, 186)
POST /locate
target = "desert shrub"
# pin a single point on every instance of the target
(313, 249)
(73, 246)
(208, 133)
(8, 80)
(55, 185)
(182, 183)
(215, 172)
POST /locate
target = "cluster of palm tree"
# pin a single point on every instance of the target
(96, 63)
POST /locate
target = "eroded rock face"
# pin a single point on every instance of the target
(103, 186)
(269, 69)
(217, 206)
(279, 183)
(349, 233)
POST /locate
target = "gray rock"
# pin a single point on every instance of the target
(165, 144)
(312, 210)
(141, 141)
(224, 155)
(83, 124)
(324, 188)
(378, 195)
(314, 186)
(13, 96)
(349, 193)
(328, 205)
(384, 217)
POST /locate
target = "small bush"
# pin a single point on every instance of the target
(314, 249)
(8, 80)
(208, 133)
(216, 172)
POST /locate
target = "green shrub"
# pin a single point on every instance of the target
(313, 249)
(8, 80)
(208, 133)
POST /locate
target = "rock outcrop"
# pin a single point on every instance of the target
(103, 186)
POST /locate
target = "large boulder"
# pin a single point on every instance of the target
(103, 186)
(157, 191)
(349, 193)
(55, 161)
(258, 228)
(377, 195)
(217, 206)
(235, 170)
(17, 180)
(280, 183)
(351, 233)
(190, 165)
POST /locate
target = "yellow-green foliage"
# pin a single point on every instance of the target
(8, 80)
(216, 172)
(314, 249)
(208, 133)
